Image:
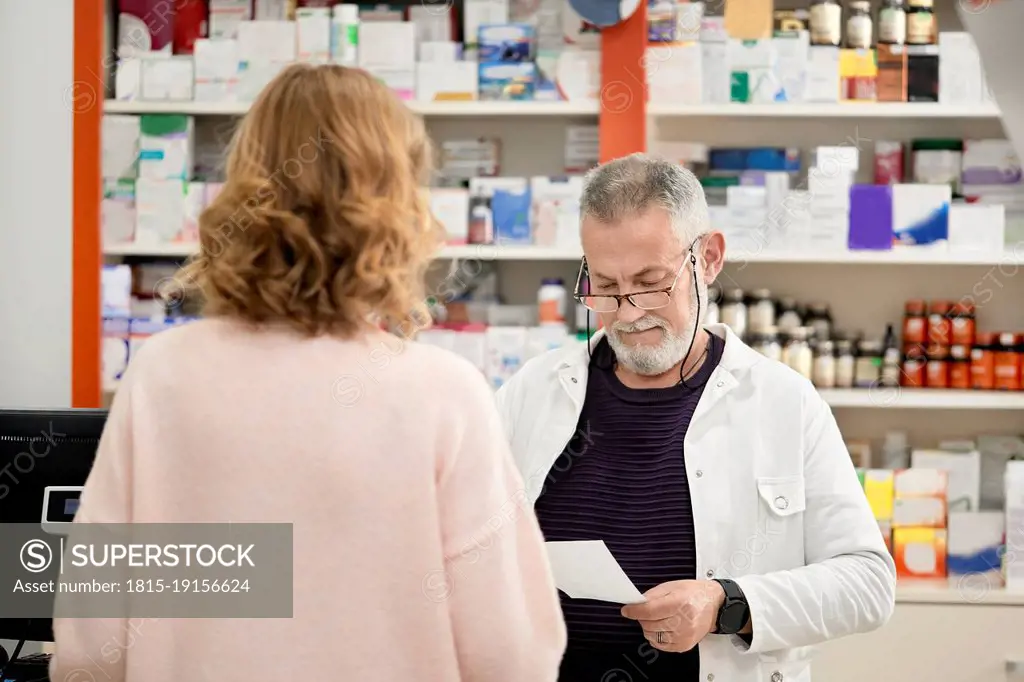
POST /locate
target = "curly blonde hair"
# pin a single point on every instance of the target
(324, 221)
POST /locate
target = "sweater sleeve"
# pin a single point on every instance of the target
(87, 648)
(496, 580)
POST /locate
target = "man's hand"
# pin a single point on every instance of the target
(682, 611)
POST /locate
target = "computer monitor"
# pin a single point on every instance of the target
(45, 458)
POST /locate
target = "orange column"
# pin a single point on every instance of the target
(85, 98)
(623, 119)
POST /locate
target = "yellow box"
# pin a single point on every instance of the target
(919, 553)
(879, 486)
(858, 75)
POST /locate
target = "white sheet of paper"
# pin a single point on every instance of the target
(586, 569)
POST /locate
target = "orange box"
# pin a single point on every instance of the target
(892, 73)
(919, 553)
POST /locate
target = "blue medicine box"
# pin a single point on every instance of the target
(507, 80)
(506, 42)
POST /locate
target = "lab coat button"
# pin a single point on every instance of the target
(781, 503)
(710, 574)
(776, 676)
(711, 677)
(699, 473)
(720, 384)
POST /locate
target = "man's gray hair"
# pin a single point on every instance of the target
(633, 184)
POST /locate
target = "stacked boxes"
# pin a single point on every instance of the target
(879, 488)
(919, 523)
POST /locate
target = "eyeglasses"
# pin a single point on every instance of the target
(644, 300)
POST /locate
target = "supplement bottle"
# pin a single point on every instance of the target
(734, 312)
(892, 22)
(789, 316)
(826, 22)
(914, 361)
(345, 35)
(766, 342)
(940, 328)
(915, 322)
(962, 324)
(845, 363)
(819, 318)
(983, 362)
(890, 374)
(761, 311)
(937, 369)
(824, 373)
(959, 367)
(798, 354)
(921, 24)
(868, 370)
(859, 29)
(1008, 362)
(551, 300)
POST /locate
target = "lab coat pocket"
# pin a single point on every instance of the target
(782, 501)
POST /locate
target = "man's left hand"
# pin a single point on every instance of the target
(683, 611)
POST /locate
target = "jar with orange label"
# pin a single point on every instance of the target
(940, 330)
(961, 321)
(915, 322)
(914, 361)
(937, 369)
(983, 362)
(1008, 362)
(960, 367)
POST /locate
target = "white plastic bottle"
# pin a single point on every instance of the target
(551, 302)
(345, 35)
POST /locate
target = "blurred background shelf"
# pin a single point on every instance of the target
(914, 110)
(452, 108)
(923, 398)
(493, 252)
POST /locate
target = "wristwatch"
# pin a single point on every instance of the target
(735, 611)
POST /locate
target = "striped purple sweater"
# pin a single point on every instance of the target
(622, 480)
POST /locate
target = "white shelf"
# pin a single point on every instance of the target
(910, 110)
(923, 398)
(151, 251)
(474, 108)
(938, 593)
(557, 254)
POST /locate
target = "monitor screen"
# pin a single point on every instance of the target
(44, 449)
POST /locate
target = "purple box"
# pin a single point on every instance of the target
(870, 218)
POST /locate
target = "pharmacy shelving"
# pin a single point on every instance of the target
(555, 254)
(446, 108)
(882, 110)
(923, 399)
(583, 108)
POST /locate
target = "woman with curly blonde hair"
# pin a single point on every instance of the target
(414, 553)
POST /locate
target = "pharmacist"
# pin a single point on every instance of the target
(716, 477)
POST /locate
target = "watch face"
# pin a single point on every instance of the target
(734, 617)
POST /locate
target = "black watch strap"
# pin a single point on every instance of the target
(735, 611)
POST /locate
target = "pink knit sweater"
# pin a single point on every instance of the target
(416, 555)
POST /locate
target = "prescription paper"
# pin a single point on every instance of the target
(586, 569)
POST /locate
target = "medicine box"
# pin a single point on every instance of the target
(990, 166)
(451, 208)
(858, 74)
(923, 73)
(870, 218)
(752, 71)
(510, 211)
(823, 81)
(960, 76)
(507, 81)
(167, 79)
(1014, 561)
(506, 349)
(919, 553)
(556, 210)
(120, 139)
(892, 73)
(160, 208)
(920, 483)
(975, 549)
(313, 34)
(879, 487)
(792, 54)
(963, 470)
(446, 81)
(921, 214)
(506, 43)
(118, 211)
(166, 147)
(919, 512)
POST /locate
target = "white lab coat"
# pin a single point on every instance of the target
(776, 502)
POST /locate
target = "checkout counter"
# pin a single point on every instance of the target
(45, 458)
